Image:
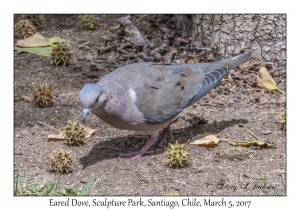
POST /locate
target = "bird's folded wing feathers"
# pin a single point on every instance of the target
(165, 90)
(210, 81)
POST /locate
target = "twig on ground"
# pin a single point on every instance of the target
(49, 126)
(23, 57)
(268, 113)
(253, 64)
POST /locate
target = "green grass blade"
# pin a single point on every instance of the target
(253, 134)
(45, 186)
(51, 187)
(16, 184)
(21, 186)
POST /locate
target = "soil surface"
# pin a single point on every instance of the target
(229, 111)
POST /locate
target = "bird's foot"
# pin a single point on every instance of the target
(143, 151)
(166, 133)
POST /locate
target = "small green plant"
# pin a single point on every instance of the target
(61, 161)
(24, 29)
(72, 192)
(177, 155)
(60, 55)
(75, 134)
(276, 187)
(171, 194)
(42, 95)
(34, 19)
(25, 185)
(283, 120)
(89, 22)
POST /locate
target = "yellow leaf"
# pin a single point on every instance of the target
(264, 80)
(207, 139)
(271, 86)
(89, 131)
(255, 143)
(42, 51)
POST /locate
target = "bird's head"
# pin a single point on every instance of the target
(91, 97)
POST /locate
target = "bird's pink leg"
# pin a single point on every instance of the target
(162, 140)
(167, 133)
(144, 150)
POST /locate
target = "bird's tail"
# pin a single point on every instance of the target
(236, 60)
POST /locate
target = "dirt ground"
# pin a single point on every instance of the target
(226, 113)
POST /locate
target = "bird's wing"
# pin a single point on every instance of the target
(182, 86)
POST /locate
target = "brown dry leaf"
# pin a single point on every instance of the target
(244, 66)
(37, 40)
(207, 139)
(112, 28)
(26, 98)
(89, 131)
(265, 80)
(59, 137)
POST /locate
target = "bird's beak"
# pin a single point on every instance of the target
(85, 113)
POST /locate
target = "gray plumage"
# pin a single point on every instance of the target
(146, 97)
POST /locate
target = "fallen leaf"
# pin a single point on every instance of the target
(37, 40)
(89, 131)
(265, 80)
(207, 139)
(56, 40)
(112, 28)
(59, 137)
(42, 51)
(26, 98)
(234, 143)
(255, 143)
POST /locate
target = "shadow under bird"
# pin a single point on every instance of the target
(147, 97)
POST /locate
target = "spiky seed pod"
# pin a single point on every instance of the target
(75, 134)
(89, 22)
(61, 161)
(177, 155)
(24, 29)
(42, 95)
(60, 54)
(34, 19)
